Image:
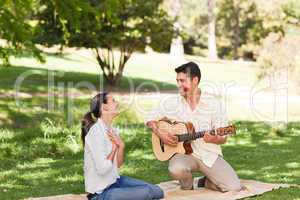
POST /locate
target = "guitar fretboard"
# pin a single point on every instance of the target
(193, 136)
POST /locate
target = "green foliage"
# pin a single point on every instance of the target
(68, 135)
(192, 18)
(55, 19)
(292, 10)
(280, 53)
(49, 129)
(6, 135)
(16, 29)
(242, 23)
(104, 27)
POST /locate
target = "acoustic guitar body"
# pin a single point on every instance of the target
(184, 131)
(164, 152)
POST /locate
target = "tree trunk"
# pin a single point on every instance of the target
(212, 47)
(236, 36)
(176, 49)
(112, 72)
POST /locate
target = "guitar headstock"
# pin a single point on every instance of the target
(229, 130)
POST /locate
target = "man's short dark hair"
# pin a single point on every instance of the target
(191, 69)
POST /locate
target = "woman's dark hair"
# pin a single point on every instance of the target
(191, 69)
(95, 112)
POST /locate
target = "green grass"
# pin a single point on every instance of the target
(41, 154)
(40, 149)
(236, 81)
(155, 66)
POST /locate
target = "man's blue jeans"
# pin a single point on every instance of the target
(126, 188)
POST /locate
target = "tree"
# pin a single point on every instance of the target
(292, 12)
(112, 29)
(232, 16)
(245, 23)
(16, 29)
(279, 55)
(193, 20)
(176, 49)
(212, 48)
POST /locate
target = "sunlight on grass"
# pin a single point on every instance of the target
(276, 141)
(293, 165)
(245, 172)
(40, 148)
(41, 161)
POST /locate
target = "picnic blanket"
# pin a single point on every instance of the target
(173, 192)
(250, 188)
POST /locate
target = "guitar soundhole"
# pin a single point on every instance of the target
(162, 146)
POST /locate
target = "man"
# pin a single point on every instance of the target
(205, 113)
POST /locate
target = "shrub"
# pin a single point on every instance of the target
(279, 54)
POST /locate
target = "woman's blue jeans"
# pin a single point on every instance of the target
(126, 188)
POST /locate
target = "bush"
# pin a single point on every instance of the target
(278, 53)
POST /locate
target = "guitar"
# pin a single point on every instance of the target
(185, 133)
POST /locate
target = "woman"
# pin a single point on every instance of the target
(104, 154)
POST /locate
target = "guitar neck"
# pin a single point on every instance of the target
(193, 136)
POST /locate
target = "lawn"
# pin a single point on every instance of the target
(40, 147)
(154, 66)
(235, 81)
(41, 155)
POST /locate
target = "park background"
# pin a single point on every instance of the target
(55, 55)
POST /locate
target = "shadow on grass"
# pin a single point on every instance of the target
(37, 81)
(40, 173)
(29, 114)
